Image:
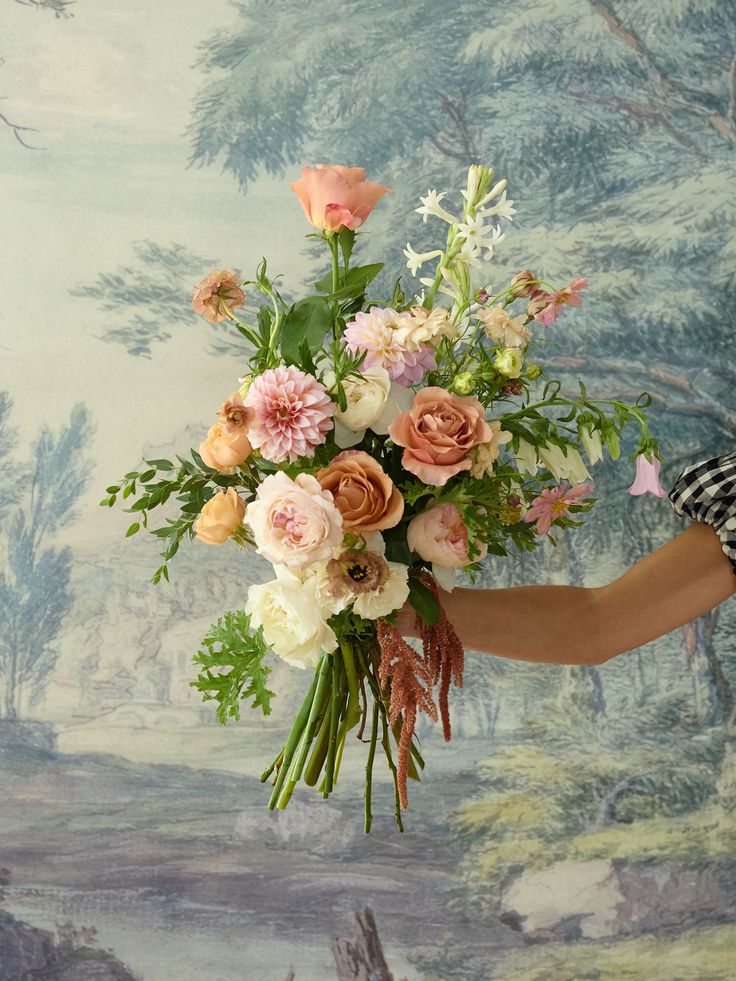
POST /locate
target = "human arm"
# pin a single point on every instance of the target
(671, 586)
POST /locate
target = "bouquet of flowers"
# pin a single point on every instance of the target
(373, 449)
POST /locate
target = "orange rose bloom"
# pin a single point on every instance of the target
(219, 518)
(335, 197)
(223, 451)
(220, 286)
(364, 494)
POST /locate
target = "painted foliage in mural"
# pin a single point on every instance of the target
(582, 823)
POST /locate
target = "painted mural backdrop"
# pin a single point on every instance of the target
(582, 821)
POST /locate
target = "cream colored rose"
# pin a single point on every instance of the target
(508, 362)
(292, 622)
(219, 517)
(499, 326)
(366, 396)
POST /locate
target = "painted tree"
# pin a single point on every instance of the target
(616, 123)
(35, 572)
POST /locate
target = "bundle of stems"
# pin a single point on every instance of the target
(331, 709)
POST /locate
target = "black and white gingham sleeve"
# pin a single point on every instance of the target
(706, 492)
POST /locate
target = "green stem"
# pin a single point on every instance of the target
(369, 769)
(334, 248)
(308, 732)
(292, 741)
(334, 719)
(348, 658)
(269, 770)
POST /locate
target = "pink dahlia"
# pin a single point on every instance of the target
(552, 503)
(292, 413)
(569, 297)
(379, 333)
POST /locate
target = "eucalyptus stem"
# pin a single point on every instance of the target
(369, 769)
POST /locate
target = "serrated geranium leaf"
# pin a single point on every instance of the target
(233, 671)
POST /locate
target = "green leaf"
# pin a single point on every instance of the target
(231, 658)
(135, 527)
(307, 320)
(161, 464)
(423, 602)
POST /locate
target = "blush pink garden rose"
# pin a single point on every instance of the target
(220, 287)
(335, 197)
(292, 413)
(220, 517)
(363, 492)
(439, 433)
(439, 536)
(294, 522)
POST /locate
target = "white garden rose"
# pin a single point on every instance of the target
(293, 625)
(400, 399)
(393, 594)
(366, 396)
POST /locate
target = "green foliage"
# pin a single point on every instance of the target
(306, 322)
(193, 483)
(233, 669)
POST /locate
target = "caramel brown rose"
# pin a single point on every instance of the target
(438, 434)
(363, 493)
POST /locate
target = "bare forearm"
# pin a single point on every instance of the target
(678, 582)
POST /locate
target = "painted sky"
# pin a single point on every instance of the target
(110, 91)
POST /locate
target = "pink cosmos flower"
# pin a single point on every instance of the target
(647, 477)
(569, 296)
(379, 333)
(292, 413)
(552, 503)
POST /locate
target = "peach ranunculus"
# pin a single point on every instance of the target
(363, 492)
(220, 287)
(335, 197)
(439, 536)
(438, 434)
(225, 451)
(220, 517)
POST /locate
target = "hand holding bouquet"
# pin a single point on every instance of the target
(373, 449)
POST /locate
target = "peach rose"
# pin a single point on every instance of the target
(221, 286)
(439, 433)
(219, 518)
(335, 197)
(223, 451)
(439, 536)
(364, 494)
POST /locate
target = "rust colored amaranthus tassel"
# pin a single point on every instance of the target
(413, 676)
(411, 689)
(444, 652)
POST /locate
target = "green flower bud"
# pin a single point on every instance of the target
(508, 361)
(464, 383)
(533, 371)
